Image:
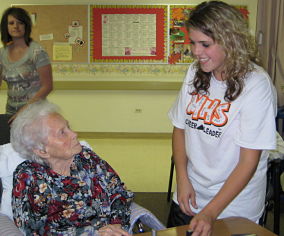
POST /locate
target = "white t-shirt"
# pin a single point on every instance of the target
(216, 129)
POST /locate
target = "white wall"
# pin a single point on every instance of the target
(143, 164)
(116, 111)
(113, 111)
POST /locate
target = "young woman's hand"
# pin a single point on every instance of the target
(202, 224)
(15, 115)
(186, 193)
(11, 119)
(112, 230)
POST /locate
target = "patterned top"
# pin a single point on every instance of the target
(47, 203)
(21, 76)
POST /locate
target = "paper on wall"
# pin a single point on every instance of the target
(75, 32)
(43, 37)
(62, 52)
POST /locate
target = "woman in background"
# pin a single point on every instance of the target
(24, 65)
(224, 120)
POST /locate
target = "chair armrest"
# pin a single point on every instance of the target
(145, 216)
(7, 226)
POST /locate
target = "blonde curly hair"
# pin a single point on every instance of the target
(226, 25)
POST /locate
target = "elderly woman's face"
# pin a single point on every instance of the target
(62, 142)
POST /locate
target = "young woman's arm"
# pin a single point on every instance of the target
(185, 191)
(203, 222)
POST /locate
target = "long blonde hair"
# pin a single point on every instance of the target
(226, 26)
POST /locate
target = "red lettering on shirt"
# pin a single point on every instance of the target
(201, 107)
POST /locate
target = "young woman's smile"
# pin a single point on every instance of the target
(209, 54)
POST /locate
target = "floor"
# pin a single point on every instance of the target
(157, 203)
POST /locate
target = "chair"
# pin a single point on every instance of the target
(139, 218)
(269, 193)
(4, 129)
(1, 190)
(171, 179)
(7, 227)
(276, 161)
(279, 117)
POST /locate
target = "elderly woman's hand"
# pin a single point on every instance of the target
(112, 230)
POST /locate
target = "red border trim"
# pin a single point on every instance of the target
(97, 32)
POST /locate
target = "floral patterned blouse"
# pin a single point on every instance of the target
(47, 203)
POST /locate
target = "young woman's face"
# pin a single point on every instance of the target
(209, 54)
(16, 28)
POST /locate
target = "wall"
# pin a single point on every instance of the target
(142, 163)
(115, 111)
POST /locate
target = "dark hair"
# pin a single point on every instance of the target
(21, 15)
(226, 25)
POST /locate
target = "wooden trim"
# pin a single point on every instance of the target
(112, 85)
(122, 135)
(115, 85)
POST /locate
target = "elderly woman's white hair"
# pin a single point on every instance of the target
(28, 132)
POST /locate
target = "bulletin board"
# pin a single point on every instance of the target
(62, 30)
(56, 25)
(125, 33)
(179, 39)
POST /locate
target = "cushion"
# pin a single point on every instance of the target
(146, 217)
(7, 227)
(9, 160)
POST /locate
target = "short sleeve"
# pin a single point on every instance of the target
(41, 57)
(257, 114)
(178, 111)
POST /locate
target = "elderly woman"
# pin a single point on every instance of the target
(63, 188)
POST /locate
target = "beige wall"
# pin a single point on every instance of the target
(116, 111)
(142, 163)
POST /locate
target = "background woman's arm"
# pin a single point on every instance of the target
(46, 83)
(46, 86)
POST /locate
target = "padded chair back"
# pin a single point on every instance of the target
(1, 190)
(4, 129)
